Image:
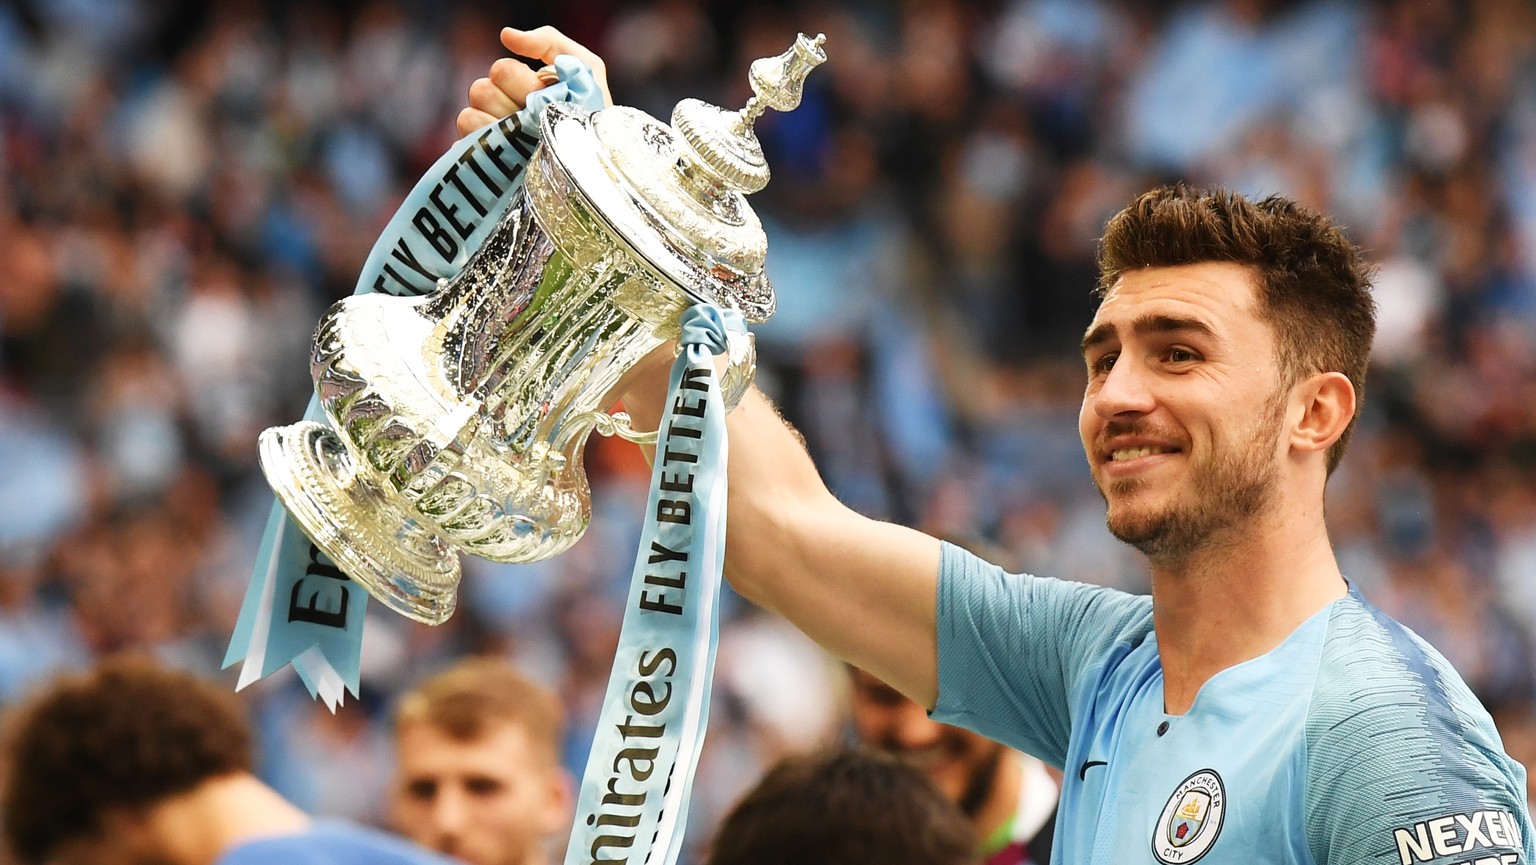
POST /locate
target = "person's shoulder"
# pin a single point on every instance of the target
(1374, 668)
(1083, 621)
(332, 842)
(962, 565)
(1400, 754)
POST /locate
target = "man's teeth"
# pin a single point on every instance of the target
(1133, 453)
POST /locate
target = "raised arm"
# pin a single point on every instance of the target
(863, 589)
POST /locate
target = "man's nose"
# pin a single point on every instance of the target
(449, 813)
(1125, 390)
(912, 729)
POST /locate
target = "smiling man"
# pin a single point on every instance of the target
(1256, 708)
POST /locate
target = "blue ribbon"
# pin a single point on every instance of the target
(299, 607)
(633, 803)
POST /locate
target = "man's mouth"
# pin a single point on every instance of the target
(1125, 454)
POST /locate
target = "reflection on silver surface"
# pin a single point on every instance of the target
(458, 419)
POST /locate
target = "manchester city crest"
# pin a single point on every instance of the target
(1191, 820)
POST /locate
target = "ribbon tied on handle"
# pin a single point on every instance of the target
(633, 802)
(299, 607)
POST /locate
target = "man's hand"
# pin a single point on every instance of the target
(505, 89)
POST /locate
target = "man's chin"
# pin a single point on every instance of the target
(1128, 519)
(1141, 528)
(1133, 489)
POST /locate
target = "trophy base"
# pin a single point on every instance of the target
(375, 541)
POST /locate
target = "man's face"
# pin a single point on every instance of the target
(963, 764)
(492, 800)
(1182, 416)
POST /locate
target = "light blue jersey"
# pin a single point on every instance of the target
(332, 842)
(1353, 741)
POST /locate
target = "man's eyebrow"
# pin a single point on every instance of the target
(1097, 336)
(1144, 324)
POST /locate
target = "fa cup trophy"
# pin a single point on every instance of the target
(458, 419)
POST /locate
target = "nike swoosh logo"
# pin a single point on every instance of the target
(1082, 773)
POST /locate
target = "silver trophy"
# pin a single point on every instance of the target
(458, 419)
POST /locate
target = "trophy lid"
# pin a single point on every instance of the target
(676, 195)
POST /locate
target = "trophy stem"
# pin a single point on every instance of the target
(408, 566)
(749, 114)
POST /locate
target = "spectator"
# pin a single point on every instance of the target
(1008, 796)
(845, 807)
(479, 775)
(131, 762)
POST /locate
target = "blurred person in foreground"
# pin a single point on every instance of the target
(844, 807)
(1008, 796)
(1256, 706)
(130, 763)
(477, 750)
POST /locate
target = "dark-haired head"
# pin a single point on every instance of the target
(1313, 284)
(844, 807)
(118, 739)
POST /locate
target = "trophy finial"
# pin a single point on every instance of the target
(720, 145)
(779, 82)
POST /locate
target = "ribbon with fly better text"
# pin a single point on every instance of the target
(299, 607)
(633, 803)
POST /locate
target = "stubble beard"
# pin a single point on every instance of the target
(1228, 491)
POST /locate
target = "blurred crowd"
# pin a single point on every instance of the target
(187, 186)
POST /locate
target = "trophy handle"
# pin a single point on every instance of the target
(741, 366)
(618, 424)
(740, 370)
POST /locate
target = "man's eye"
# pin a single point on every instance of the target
(421, 790)
(483, 786)
(1180, 355)
(1105, 363)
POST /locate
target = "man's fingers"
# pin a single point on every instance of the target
(513, 79)
(501, 97)
(471, 119)
(546, 43)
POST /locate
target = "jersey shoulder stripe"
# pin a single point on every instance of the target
(1404, 764)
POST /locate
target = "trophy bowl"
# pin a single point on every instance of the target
(457, 420)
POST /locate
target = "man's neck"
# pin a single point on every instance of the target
(198, 827)
(1239, 597)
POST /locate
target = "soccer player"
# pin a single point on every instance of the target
(1255, 708)
(478, 774)
(130, 764)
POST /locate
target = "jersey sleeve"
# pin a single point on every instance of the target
(1013, 649)
(1404, 767)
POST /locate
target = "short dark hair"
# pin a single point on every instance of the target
(127, 734)
(848, 806)
(1313, 283)
(468, 698)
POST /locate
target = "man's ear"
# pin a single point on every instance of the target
(1327, 403)
(561, 799)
